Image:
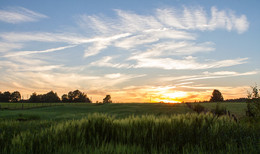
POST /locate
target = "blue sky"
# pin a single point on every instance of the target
(134, 50)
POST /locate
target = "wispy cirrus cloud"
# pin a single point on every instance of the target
(164, 39)
(15, 15)
(9, 46)
(108, 62)
(71, 38)
(46, 79)
(24, 53)
(185, 64)
(186, 18)
(207, 75)
(198, 19)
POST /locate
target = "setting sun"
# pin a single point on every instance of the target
(174, 97)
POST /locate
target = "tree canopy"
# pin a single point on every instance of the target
(107, 99)
(48, 97)
(216, 96)
(253, 103)
(10, 97)
(77, 96)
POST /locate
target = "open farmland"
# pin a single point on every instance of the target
(123, 128)
(237, 108)
(59, 111)
(100, 133)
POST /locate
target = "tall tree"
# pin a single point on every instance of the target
(107, 99)
(6, 96)
(253, 103)
(50, 97)
(78, 96)
(216, 96)
(1, 96)
(34, 98)
(15, 96)
(65, 98)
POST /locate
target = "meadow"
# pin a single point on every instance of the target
(124, 128)
(61, 111)
(236, 108)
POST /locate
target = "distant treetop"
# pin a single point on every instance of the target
(216, 96)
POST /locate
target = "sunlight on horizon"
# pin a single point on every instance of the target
(171, 97)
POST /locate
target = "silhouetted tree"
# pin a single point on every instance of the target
(15, 96)
(65, 98)
(107, 99)
(50, 97)
(6, 96)
(78, 96)
(253, 103)
(34, 98)
(216, 96)
(1, 96)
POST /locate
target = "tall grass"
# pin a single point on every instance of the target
(99, 133)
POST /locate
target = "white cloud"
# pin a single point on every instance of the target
(151, 36)
(95, 48)
(24, 53)
(170, 48)
(206, 75)
(171, 18)
(70, 38)
(198, 19)
(24, 64)
(107, 62)
(46, 80)
(130, 42)
(16, 15)
(163, 34)
(184, 64)
(8, 46)
(113, 76)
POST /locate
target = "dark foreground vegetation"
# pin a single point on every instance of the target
(100, 133)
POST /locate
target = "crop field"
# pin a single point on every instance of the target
(237, 108)
(59, 111)
(100, 133)
(123, 128)
(17, 106)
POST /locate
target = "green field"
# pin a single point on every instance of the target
(123, 128)
(59, 111)
(236, 108)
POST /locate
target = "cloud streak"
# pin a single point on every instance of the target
(16, 15)
(198, 19)
(207, 75)
(24, 53)
(168, 63)
(172, 18)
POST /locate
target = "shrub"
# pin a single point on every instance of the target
(198, 108)
(253, 103)
(219, 110)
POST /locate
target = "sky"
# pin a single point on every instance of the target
(135, 51)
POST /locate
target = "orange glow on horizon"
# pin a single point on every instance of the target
(171, 97)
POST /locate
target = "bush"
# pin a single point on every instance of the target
(253, 103)
(219, 110)
(198, 108)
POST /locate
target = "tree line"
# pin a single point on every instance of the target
(50, 97)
